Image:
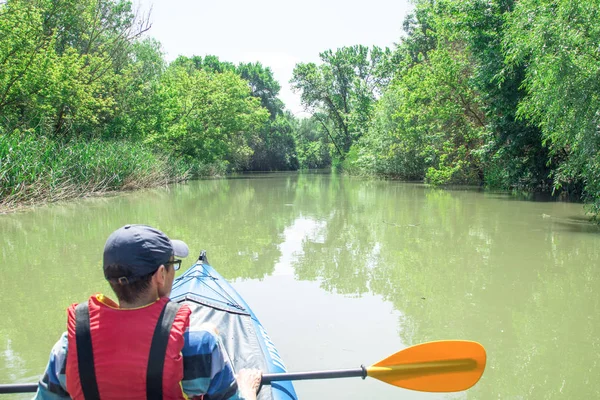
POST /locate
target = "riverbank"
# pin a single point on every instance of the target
(36, 170)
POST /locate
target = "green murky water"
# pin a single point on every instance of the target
(341, 272)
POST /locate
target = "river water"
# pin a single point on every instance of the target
(342, 272)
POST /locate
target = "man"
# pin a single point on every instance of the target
(142, 347)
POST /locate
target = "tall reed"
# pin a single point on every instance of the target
(36, 169)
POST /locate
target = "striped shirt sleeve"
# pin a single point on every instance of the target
(53, 384)
(207, 368)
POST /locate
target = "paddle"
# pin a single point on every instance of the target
(444, 366)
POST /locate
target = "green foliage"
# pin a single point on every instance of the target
(429, 124)
(456, 109)
(208, 116)
(77, 81)
(209, 63)
(311, 145)
(498, 92)
(349, 163)
(139, 111)
(275, 147)
(26, 53)
(557, 41)
(272, 145)
(390, 148)
(513, 145)
(262, 85)
(59, 60)
(342, 90)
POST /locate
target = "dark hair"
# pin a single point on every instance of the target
(132, 291)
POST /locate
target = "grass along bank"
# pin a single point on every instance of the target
(37, 169)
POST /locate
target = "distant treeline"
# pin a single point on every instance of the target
(496, 92)
(489, 92)
(88, 104)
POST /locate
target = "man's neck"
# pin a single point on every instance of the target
(142, 301)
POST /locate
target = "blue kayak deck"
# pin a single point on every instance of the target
(213, 300)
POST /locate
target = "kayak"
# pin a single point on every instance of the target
(213, 300)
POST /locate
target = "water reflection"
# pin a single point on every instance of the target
(502, 273)
(518, 276)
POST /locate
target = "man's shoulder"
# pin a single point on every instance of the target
(60, 349)
(63, 340)
(94, 298)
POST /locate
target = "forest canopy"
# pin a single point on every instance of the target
(497, 93)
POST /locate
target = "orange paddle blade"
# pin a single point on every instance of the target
(444, 366)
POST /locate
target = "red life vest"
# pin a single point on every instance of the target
(121, 341)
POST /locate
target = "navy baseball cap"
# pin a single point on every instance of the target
(139, 250)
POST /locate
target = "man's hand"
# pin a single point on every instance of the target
(248, 381)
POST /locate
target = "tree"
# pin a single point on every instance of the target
(262, 85)
(275, 148)
(343, 89)
(556, 42)
(210, 117)
(138, 107)
(311, 144)
(272, 146)
(429, 123)
(209, 63)
(514, 154)
(61, 61)
(27, 61)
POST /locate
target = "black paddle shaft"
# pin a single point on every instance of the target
(331, 374)
(266, 379)
(18, 388)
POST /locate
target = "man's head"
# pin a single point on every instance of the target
(135, 256)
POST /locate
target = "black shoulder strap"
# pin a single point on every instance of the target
(158, 350)
(85, 355)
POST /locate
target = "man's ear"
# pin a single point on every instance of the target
(161, 276)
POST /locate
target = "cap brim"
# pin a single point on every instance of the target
(180, 249)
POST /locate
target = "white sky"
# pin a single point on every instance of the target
(278, 33)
